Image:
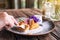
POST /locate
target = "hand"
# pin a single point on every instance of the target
(6, 20)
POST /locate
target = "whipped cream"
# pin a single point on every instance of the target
(22, 26)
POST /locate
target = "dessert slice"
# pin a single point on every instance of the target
(23, 27)
(33, 25)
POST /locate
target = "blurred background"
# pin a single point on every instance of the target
(51, 8)
(17, 4)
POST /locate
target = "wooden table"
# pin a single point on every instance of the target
(6, 35)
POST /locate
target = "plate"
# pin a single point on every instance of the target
(46, 27)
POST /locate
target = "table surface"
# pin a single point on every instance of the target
(55, 35)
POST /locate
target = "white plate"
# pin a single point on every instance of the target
(47, 27)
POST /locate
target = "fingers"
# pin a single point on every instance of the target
(3, 13)
(15, 22)
(9, 25)
(10, 22)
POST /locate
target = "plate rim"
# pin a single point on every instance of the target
(35, 34)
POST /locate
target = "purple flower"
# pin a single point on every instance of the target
(34, 18)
